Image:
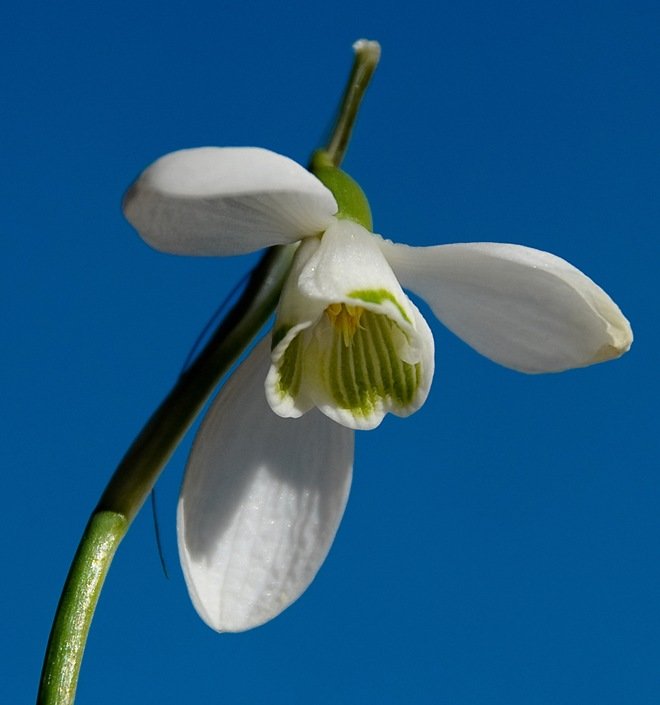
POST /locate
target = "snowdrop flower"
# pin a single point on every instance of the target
(264, 492)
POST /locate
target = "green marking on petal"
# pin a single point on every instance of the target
(290, 368)
(378, 296)
(363, 370)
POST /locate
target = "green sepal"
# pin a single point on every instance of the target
(352, 202)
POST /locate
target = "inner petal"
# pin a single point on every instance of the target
(291, 368)
(347, 339)
(360, 366)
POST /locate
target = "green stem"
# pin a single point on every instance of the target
(138, 471)
(74, 615)
(367, 55)
(135, 477)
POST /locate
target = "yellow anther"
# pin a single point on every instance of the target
(346, 319)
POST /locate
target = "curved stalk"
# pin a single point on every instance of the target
(367, 55)
(138, 471)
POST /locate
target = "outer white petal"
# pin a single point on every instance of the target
(226, 201)
(260, 504)
(524, 308)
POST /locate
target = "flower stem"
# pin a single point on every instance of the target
(138, 471)
(74, 614)
(367, 55)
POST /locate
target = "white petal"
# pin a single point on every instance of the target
(260, 504)
(295, 314)
(524, 308)
(358, 390)
(349, 263)
(295, 309)
(226, 201)
(347, 338)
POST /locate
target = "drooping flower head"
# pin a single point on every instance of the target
(264, 492)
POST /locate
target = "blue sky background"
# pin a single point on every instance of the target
(501, 546)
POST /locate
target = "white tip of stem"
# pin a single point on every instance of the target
(369, 48)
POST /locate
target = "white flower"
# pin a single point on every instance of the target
(263, 495)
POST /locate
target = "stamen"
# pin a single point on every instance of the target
(345, 318)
